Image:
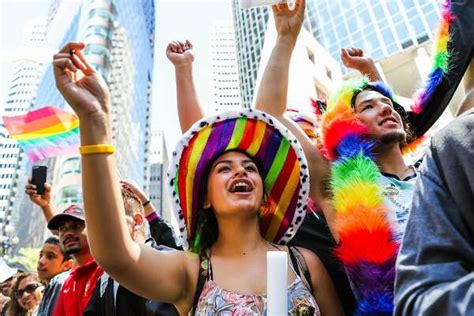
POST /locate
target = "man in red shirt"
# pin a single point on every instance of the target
(80, 284)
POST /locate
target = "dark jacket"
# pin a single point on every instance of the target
(51, 295)
(435, 269)
(111, 299)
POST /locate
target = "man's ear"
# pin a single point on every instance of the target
(68, 264)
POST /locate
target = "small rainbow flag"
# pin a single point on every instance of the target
(46, 132)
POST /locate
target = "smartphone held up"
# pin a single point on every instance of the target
(38, 178)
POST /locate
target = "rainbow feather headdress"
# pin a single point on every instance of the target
(366, 246)
(283, 169)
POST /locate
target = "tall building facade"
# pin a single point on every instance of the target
(224, 75)
(120, 41)
(119, 38)
(157, 188)
(313, 73)
(249, 27)
(381, 28)
(27, 218)
(20, 98)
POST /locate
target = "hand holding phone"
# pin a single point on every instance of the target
(38, 178)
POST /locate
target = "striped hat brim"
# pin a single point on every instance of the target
(283, 169)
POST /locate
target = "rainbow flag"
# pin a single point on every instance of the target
(46, 132)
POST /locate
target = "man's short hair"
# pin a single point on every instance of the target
(53, 240)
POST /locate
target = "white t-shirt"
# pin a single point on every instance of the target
(398, 198)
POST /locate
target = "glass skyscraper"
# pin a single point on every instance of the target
(224, 90)
(380, 28)
(20, 98)
(119, 38)
(250, 26)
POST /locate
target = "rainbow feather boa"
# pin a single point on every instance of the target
(440, 61)
(366, 247)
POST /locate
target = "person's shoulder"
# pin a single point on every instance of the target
(60, 278)
(312, 260)
(456, 130)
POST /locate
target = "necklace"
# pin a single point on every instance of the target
(391, 191)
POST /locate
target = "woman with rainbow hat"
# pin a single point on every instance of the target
(239, 182)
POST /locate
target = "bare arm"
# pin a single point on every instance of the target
(166, 276)
(323, 288)
(189, 108)
(43, 201)
(160, 230)
(273, 90)
(354, 58)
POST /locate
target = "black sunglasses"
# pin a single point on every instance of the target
(30, 288)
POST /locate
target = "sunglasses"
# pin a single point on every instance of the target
(30, 288)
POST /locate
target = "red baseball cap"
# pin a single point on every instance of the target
(71, 212)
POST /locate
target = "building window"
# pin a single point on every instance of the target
(70, 194)
(423, 38)
(71, 166)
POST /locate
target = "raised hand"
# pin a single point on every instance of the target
(133, 187)
(354, 58)
(289, 21)
(189, 109)
(40, 200)
(43, 201)
(82, 87)
(180, 53)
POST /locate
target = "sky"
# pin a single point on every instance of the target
(14, 17)
(175, 20)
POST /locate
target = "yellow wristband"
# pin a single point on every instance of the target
(97, 149)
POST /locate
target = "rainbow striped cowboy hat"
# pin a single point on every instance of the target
(284, 169)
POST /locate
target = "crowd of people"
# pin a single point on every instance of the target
(365, 232)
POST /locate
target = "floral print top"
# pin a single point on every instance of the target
(217, 301)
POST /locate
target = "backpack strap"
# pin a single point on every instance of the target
(202, 278)
(299, 264)
(294, 261)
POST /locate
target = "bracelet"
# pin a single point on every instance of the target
(97, 149)
(146, 203)
(154, 215)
